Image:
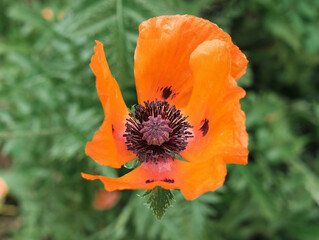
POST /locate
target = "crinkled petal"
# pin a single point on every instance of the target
(192, 179)
(214, 109)
(164, 46)
(108, 145)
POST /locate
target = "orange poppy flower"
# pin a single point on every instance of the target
(185, 73)
(3, 190)
(105, 200)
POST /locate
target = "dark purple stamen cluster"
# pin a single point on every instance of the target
(156, 130)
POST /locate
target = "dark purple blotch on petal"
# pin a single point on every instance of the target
(167, 91)
(205, 126)
(163, 180)
(168, 180)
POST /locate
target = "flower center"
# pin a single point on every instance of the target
(156, 131)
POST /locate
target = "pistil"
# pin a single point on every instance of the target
(156, 130)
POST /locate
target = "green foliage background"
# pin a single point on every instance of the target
(49, 109)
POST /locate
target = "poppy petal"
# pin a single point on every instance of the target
(162, 55)
(108, 145)
(192, 179)
(201, 177)
(214, 109)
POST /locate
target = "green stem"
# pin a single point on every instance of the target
(115, 230)
(30, 134)
(126, 66)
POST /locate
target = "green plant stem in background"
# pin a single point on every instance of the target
(30, 134)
